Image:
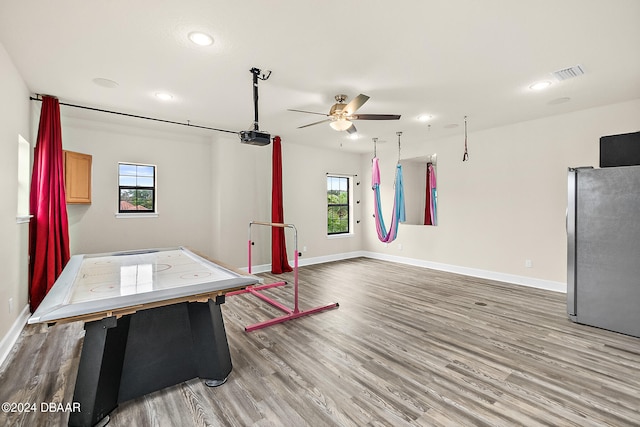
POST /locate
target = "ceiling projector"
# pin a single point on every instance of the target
(254, 137)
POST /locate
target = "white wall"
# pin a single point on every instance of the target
(209, 189)
(210, 186)
(183, 187)
(304, 186)
(14, 120)
(242, 193)
(506, 204)
(241, 185)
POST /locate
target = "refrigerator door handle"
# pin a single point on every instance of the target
(573, 281)
(572, 183)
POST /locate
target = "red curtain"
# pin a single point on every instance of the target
(427, 202)
(49, 228)
(279, 262)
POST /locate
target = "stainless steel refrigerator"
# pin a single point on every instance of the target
(603, 230)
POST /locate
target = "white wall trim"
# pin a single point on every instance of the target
(302, 261)
(8, 341)
(531, 282)
(136, 215)
(475, 272)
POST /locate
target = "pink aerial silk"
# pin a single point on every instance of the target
(398, 203)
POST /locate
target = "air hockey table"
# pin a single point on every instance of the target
(152, 320)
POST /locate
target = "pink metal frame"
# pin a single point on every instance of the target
(254, 290)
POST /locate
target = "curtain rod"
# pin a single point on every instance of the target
(136, 116)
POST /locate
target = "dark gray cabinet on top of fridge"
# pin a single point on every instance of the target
(603, 230)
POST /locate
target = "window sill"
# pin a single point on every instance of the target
(136, 215)
(340, 236)
(23, 219)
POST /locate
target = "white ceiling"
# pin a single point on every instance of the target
(445, 58)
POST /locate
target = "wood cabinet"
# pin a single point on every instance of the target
(77, 177)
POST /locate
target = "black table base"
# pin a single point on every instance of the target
(147, 351)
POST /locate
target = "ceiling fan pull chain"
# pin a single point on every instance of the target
(465, 156)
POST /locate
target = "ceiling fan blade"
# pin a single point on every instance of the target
(314, 123)
(352, 129)
(375, 117)
(355, 103)
(308, 112)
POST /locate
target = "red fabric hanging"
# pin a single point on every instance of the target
(279, 262)
(49, 227)
(427, 202)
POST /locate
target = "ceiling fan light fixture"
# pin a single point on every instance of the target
(340, 124)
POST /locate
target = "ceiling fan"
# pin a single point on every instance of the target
(341, 114)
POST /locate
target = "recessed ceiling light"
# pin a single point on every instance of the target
(164, 96)
(201, 39)
(105, 82)
(424, 117)
(540, 85)
(354, 136)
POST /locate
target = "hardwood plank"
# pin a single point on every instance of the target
(408, 346)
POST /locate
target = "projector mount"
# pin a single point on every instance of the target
(254, 136)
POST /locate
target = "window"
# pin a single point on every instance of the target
(338, 205)
(137, 188)
(24, 166)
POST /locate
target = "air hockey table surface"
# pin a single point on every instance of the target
(152, 319)
(95, 286)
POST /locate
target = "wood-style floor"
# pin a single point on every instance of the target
(407, 347)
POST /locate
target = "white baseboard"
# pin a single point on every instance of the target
(6, 345)
(531, 282)
(302, 261)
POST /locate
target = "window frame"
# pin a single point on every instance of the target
(154, 189)
(23, 180)
(348, 205)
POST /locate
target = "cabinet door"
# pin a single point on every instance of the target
(77, 173)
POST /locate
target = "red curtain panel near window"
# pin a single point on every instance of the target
(279, 262)
(49, 227)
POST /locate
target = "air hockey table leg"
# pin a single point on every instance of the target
(99, 371)
(211, 349)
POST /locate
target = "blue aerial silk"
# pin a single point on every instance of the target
(398, 203)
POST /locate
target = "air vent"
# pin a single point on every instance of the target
(568, 73)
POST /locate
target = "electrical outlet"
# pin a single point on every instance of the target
(10, 305)
(528, 263)
(399, 246)
(304, 249)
